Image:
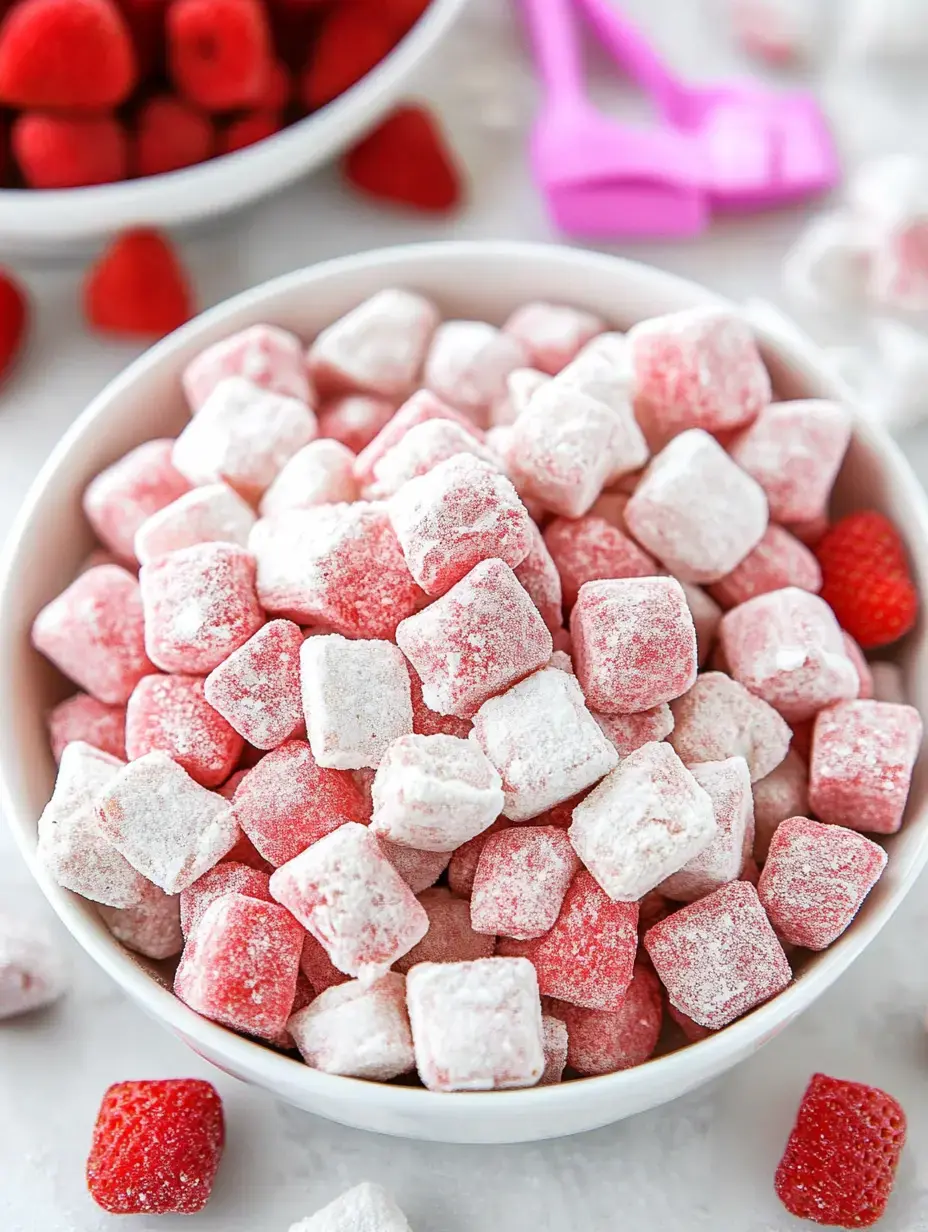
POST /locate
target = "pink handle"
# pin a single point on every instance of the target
(557, 51)
(627, 45)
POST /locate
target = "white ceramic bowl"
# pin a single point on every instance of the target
(50, 539)
(55, 221)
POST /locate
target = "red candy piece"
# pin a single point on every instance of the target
(65, 53)
(171, 714)
(170, 134)
(405, 160)
(462, 868)
(249, 130)
(350, 42)
(137, 286)
(521, 880)
(841, 1158)
(219, 51)
(420, 408)
(69, 151)
(226, 878)
(603, 1042)
(317, 968)
(588, 549)
(426, 722)
(82, 717)
(782, 793)
(450, 937)
(778, 560)
(14, 315)
(355, 419)
(143, 481)
(156, 1147)
(257, 688)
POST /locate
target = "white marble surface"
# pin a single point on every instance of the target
(703, 1164)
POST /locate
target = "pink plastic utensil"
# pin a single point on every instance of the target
(760, 148)
(603, 179)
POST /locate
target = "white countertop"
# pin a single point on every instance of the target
(703, 1164)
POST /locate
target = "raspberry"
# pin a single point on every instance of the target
(248, 130)
(156, 1147)
(351, 41)
(14, 317)
(866, 578)
(170, 134)
(66, 53)
(405, 160)
(840, 1161)
(219, 51)
(137, 287)
(69, 151)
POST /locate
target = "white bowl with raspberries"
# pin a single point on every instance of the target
(475, 728)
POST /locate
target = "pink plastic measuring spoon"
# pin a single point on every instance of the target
(601, 178)
(761, 148)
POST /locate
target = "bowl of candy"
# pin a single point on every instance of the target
(463, 705)
(122, 113)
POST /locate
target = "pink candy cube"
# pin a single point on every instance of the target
(554, 1039)
(83, 718)
(627, 732)
(419, 869)
(782, 793)
(200, 605)
(604, 1042)
(815, 879)
(121, 497)
(240, 968)
(353, 420)
(346, 892)
(706, 615)
(588, 549)
(170, 714)
(427, 722)
(150, 928)
(552, 334)
(787, 648)
(205, 515)
(522, 877)
(226, 878)
(462, 868)
(778, 560)
(421, 449)
(695, 510)
(543, 741)
(476, 1026)
(468, 363)
(538, 574)
(719, 718)
(719, 957)
(321, 473)
(863, 754)
(361, 1031)
(257, 688)
(794, 450)
(634, 643)
(450, 937)
(642, 823)
(521, 383)
(32, 967)
(269, 357)
(479, 638)
(728, 785)
(420, 408)
(94, 633)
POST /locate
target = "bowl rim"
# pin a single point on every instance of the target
(279, 1071)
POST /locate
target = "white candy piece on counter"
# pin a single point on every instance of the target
(468, 363)
(366, 1208)
(718, 718)
(829, 264)
(211, 514)
(356, 699)
(264, 354)
(358, 1030)
(728, 786)
(552, 334)
(321, 473)
(32, 968)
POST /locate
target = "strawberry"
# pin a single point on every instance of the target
(248, 129)
(14, 318)
(170, 134)
(66, 53)
(137, 286)
(156, 1147)
(840, 1161)
(219, 51)
(402, 14)
(351, 41)
(67, 152)
(866, 578)
(405, 160)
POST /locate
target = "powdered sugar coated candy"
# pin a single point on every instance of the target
(627, 732)
(257, 688)
(604, 1042)
(434, 793)
(521, 383)
(778, 560)
(634, 643)
(552, 334)
(226, 878)
(719, 957)
(589, 549)
(422, 448)
(543, 741)
(692, 1030)
(780, 794)
(240, 967)
(718, 718)
(121, 497)
(815, 879)
(94, 632)
(728, 785)
(366, 1208)
(419, 869)
(269, 357)
(479, 638)
(522, 877)
(602, 370)
(695, 510)
(356, 699)
(150, 928)
(316, 967)
(377, 348)
(83, 718)
(354, 419)
(200, 604)
(787, 648)
(861, 667)
(554, 1039)
(468, 363)
(863, 754)
(588, 955)
(538, 574)
(462, 868)
(706, 615)
(321, 473)
(193, 830)
(243, 436)
(828, 267)
(345, 891)
(780, 32)
(419, 408)
(642, 823)
(450, 937)
(359, 1030)
(171, 714)
(205, 515)
(71, 847)
(476, 1026)
(794, 451)
(459, 513)
(336, 565)
(696, 369)
(426, 722)
(288, 802)
(32, 971)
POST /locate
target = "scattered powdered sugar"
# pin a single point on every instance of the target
(366, 1208)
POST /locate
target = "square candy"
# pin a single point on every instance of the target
(718, 718)
(422, 448)
(421, 407)
(150, 928)
(206, 515)
(782, 793)
(521, 383)
(606, 1041)
(450, 937)
(361, 1031)
(257, 688)
(366, 1208)
(82, 717)
(627, 732)
(778, 560)
(538, 574)
(229, 877)
(269, 357)
(521, 879)
(468, 363)
(121, 497)
(419, 869)
(321, 473)
(589, 549)
(728, 785)
(552, 334)
(554, 1034)
(170, 714)
(353, 420)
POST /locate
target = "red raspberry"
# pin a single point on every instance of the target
(69, 152)
(405, 160)
(351, 41)
(137, 286)
(248, 130)
(840, 1161)
(156, 1147)
(66, 53)
(14, 317)
(170, 134)
(219, 51)
(866, 578)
